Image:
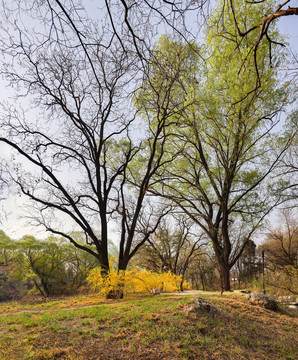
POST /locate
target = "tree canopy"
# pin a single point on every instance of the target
(223, 135)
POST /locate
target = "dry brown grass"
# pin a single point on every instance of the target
(148, 328)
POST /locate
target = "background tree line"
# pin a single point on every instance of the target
(49, 268)
(53, 267)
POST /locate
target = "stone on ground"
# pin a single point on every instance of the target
(266, 301)
(201, 306)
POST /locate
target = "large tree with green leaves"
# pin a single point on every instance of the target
(223, 143)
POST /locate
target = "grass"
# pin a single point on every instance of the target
(147, 328)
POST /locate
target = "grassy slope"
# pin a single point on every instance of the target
(149, 328)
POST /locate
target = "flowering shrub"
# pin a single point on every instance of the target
(132, 281)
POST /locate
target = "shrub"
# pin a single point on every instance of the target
(132, 281)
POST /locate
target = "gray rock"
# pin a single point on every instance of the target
(292, 299)
(287, 299)
(266, 301)
(155, 291)
(201, 306)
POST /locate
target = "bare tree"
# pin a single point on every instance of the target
(3, 191)
(75, 149)
(281, 244)
(173, 248)
(202, 273)
(281, 254)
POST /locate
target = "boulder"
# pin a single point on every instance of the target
(291, 299)
(293, 307)
(245, 291)
(201, 306)
(266, 301)
(155, 291)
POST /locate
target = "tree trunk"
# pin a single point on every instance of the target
(181, 285)
(202, 281)
(118, 293)
(225, 277)
(115, 294)
(39, 289)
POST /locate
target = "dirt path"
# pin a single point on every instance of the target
(190, 292)
(201, 292)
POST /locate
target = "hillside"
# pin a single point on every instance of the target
(86, 328)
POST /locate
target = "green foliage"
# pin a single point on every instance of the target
(12, 274)
(44, 263)
(170, 84)
(114, 153)
(52, 266)
(164, 95)
(221, 125)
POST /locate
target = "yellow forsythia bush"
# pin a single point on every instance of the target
(132, 281)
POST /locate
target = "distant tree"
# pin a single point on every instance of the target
(202, 273)
(281, 255)
(77, 265)
(44, 265)
(172, 248)
(8, 248)
(281, 244)
(54, 266)
(12, 274)
(248, 265)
